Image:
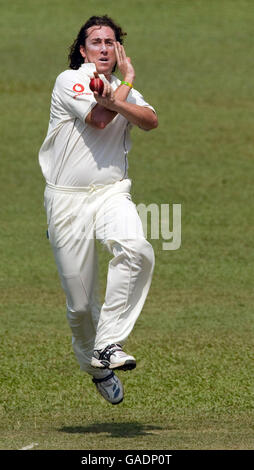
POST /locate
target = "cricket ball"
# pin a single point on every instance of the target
(96, 84)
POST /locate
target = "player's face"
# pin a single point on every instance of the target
(99, 48)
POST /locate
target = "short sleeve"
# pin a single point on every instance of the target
(73, 95)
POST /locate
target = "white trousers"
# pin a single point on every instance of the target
(76, 218)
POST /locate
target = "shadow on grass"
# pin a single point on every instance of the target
(113, 429)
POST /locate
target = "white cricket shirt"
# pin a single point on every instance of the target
(74, 153)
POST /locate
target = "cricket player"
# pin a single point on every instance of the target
(87, 198)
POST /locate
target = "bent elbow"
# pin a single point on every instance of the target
(155, 122)
(100, 125)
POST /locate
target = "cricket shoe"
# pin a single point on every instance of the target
(110, 387)
(113, 357)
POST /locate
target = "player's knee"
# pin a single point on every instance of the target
(138, 252)
(77, 319)
(77, 300)
(142, 250)
(77, 311)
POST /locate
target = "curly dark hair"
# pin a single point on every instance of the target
(75, 58)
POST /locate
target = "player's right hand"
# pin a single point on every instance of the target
(107, 98)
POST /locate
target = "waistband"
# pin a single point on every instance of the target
(85, 189)
(78, 189)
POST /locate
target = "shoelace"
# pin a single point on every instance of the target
(110, 349)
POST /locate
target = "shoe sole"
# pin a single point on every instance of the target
(109, 401)
(117, 402)
(127, 365)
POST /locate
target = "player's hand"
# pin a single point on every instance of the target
(107, 98)
(124, 63)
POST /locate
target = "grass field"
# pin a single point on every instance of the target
(193, 386)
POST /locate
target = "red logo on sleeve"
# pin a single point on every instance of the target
(78, 88)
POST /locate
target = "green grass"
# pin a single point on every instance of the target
(193, 387)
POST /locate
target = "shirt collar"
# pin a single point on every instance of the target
(88, 67)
